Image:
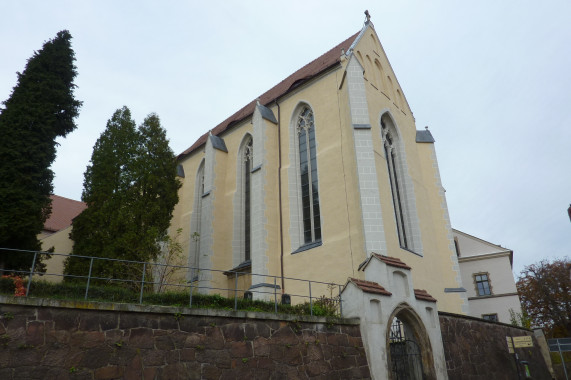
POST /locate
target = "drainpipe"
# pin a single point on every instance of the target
(280, 194)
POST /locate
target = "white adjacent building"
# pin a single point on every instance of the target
(486, 271)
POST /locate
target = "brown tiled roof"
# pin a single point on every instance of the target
(421, 294)
(63, 212)
(307, 72)
(370, 287)
(392, 261)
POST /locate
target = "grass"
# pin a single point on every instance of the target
(73, 290)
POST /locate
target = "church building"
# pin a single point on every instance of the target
(314, 178)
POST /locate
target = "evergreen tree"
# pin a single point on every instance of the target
(41, 108)
(130, 189)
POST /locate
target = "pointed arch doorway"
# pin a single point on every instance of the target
(408, 346)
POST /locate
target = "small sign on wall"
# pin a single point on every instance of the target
(522, 341)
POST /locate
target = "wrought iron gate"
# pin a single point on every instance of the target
(406, 357)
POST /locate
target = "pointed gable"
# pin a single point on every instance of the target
(377, 68)
(474, 246)
(306, 73)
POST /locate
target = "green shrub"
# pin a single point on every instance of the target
(6, 286)
(75, 290)
(167, 298)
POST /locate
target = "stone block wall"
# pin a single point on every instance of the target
(476, 349)
(48, 339)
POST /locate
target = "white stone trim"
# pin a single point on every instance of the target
(207, 219)
(371, 213)
(377, 311)
(258, 230)
(195, 224)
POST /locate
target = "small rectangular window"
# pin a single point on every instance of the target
(483, 287)
(490, 317)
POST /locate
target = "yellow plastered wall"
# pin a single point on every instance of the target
(63, 246)
(342, 248)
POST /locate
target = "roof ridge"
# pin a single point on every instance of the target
(66, 198)
(306, 72)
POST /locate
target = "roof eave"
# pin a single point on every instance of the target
(234, 123)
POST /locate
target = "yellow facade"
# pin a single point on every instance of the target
(62, 245)
(343, 246)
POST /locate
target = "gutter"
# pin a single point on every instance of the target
(280, 195)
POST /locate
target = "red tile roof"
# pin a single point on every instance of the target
(392, 261)
(421, 294)
(370, 287)
(63, 212)
(307, 72)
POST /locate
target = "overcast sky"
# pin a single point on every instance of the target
(491, 79)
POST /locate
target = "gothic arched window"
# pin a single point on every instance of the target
(246, 155)
(392, 154)
(196, 223)
(242, 235)
(308, 176)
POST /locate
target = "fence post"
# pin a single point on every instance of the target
(31, 273)
(310, 300)
(340, 303)
(562, 359)
(190, 304)
(275, 296)
(236, 291)
(143, 283)
(88, 278)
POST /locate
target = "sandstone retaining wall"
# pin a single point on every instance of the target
(47, 339)
(477, 350)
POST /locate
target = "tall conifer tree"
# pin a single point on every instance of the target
(130, 189)
(41, 108)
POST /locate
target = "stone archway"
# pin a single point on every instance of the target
(409, 352)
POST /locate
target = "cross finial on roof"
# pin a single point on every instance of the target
(368, 17)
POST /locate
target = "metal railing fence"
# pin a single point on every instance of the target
(194, 285)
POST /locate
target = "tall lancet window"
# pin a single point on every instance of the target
(196, 223)
(390, 142)
(308, 172)
(247, 156)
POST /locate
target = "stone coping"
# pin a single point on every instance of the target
(158, 309)
(463, 316)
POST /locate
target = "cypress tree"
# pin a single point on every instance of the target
(130, 189)
(40, 108)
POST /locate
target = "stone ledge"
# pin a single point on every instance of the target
(110, 306)
(465, 316)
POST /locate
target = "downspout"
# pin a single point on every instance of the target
(280, 194)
